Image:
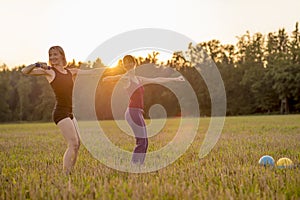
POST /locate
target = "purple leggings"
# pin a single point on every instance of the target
(134, 117)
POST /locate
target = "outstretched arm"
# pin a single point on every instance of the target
(113, 78)
(95, 71)
(160, 79)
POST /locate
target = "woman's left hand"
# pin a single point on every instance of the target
(180, 78)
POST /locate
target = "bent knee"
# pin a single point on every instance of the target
(142, 142)
(77, 145)
(74, 144)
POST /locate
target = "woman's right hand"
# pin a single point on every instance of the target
(42, 65)
(36, 69)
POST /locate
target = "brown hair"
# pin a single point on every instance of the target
(61, 51)
(129, 62)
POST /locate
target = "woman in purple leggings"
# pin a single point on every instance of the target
(135, 109)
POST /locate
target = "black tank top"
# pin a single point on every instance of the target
(62, 86)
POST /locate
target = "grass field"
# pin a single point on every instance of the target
(31, 164)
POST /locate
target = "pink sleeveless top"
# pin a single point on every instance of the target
(136, 94)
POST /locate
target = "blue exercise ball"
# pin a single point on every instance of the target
(266, 160)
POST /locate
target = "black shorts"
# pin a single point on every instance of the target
(61, 113)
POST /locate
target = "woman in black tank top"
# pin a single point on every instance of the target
(62, 86)
(61, 80)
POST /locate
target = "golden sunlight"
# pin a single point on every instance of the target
(161, 56)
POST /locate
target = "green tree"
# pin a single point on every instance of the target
(256, 76)
(281, 68)
(24, 106)
(43, 100)
(295, 66)
(5, 112)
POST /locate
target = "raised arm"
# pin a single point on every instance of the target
(160, 79)
(36, 69)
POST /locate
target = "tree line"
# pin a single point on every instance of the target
(261, 75)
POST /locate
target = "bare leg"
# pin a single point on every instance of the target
(77, 135)
(70, 134)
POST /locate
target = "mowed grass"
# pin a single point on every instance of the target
(31, 164)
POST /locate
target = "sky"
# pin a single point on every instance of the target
(29, 28)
